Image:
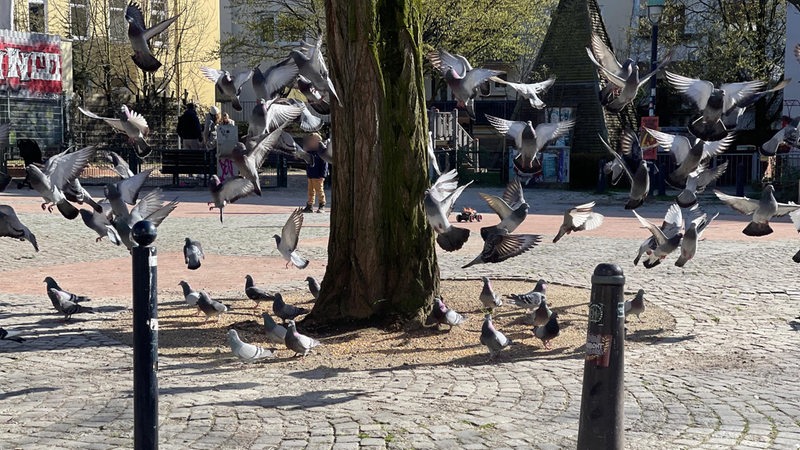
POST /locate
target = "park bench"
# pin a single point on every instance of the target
(188, 162)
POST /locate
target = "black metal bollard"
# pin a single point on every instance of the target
(740, 180)
(602, 181)
(662, 180)
(145, 337)
(602, 400)
(653, 178)
(282, 172)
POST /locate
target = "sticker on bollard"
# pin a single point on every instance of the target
(598, 349)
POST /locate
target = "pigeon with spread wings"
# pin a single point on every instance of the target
(131, 123)
(227, 85)
(527, 139)
(139, 35)
(59, 171)
(288, 239)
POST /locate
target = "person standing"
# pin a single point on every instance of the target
(316, 172)
(189, 129)
(210, 128)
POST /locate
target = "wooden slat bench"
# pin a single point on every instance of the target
(188, 162)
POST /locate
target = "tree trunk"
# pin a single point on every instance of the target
(381, 254)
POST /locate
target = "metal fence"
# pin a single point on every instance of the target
(753, 168)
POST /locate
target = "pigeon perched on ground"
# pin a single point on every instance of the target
(66, 303)
(227, 86)
(313, 287)
(762, 210)
(247, 352)
(463, 80)
(10, 335)
(640, 179)
(288, 239)
(311, 66)
(527, 139)
(298, 343)
(688, 155)
(494, 340)
(438, 202)
(672, 224)
(579, 218)
(249, 156)
(223, 193)
(139, 35)
(500, 246)
(541, 315)
(275, 79)
(635, 306)
(119, 165)
(713, 103)
(697, 182)
(549, 331)
(691, 236)
(192, 253)
(255, 293)
(511, 209)
(285, 311)
(210, 307)
(664, 243)
(788, 135)
(489, 299)
(532, 299)
(275, 333)
(132, 124)
(189, 295)
(51, 284)
(59, 171)
(530, 91)
(10, 226)
(442, 315)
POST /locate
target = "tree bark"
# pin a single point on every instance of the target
(381, 254)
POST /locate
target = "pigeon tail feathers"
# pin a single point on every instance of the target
(757, 229)
(453, 239)
(67, 210)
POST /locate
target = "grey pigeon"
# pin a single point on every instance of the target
(463, 80)
(66, 303)
(255, 293)
(139, 35)
(635, 306)
(119, 165)
(193, 253)
(59, 171)
(125, 191)
(696, 183)
(501, 246)
(493, 339)
(227, 86)
(223, 193)
(100, 223)
(249, 156)
(75, 193)
(189, 295)
(731, 117)
(690, 237)
(247, 352)
(311, 66)
(788, 135)
(579, 218)
(640, 179)
(532, 299)
(443, 315)
(210, 307)
(438, 202)
(489, 299)
(672, 224)
(288, 239)
(10, 335)
(530, 91)
(298, 343)
(665, 244)
(10, 226)
(275, 333)
(549, 331)
(270, 115)
(527, 139)
(285, 311)
(615, 168)
(511, 209)
(762, 210)
(688, 155)
(151, 208)
(601, 55)
(434, 164)
(51, 284)
(541, 315)
(274, 80)
(313, 287)
(132, 124)
(315, 99)
(326, 152)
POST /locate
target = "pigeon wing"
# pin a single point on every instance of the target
(786, 208)
(676, 144)
(138, 121)
(513, 194)
(290, 233)
(498, 205)
(654, 230)
(618, 158)
(211, 74)
(134, 14)
(159, 28)
(116, 123)
(698, 90)
(65, 167)
(441, 60)
(715, 148)
(602, 56)
(280, 75)
(161, 213)
(235, 188)
(280, 114)
(742, 204)
(546, 132)
(501, 247)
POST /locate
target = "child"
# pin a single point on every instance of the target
(316, 172)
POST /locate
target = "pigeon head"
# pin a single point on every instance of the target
(188, 241)
(277, 239)
(769, 188)
(233, 335)
(541, 286)
(715, 101)
(290, 326)
(487, 317)
(485, 280)
(310, 279)
(214, 183)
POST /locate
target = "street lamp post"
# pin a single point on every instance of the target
(654, 10)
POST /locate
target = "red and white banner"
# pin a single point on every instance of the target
(30, 64)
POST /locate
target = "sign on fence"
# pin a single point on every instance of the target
(30, 64)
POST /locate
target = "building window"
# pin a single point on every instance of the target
(36, 16)
(117, 26)
(158, 13)
(79, 19)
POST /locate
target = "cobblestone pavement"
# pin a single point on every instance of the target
(726, 378)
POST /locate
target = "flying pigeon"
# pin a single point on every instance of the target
(75, 193)
(125, 191)
(59, 171)
(249, 156)
(139, 34)
(313, 287)
(549, 331)
(274, 80)
(601, 55)
(285, 311)
(635, 306)
(500, 246)
(443, 315)
(731, 117)
(119, 165)
(315, 99)
(311, 66)
(688, 156)
(579, 218)
(10, 335)
(151, 208)
(67, 303)
(527, 139)
(275, 333)
(189, 295)
(788, 135)
(664, 244)
(210, 307)
(489, 299)
(193, 253)
(133, 124)
(530, 91)
(247, 352)
(672, 224)
(255, 293)
(100, 223)
(762, 210)
(223, 193)
(640, 179)
(439, 201)
(10, 226)
(494, 340)
(691, 235)
(531, 300)
(288, 239)
(227, 86)
(696, 183)
(511, 208)
(270, 115)
(462, 79)
(298, 343)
